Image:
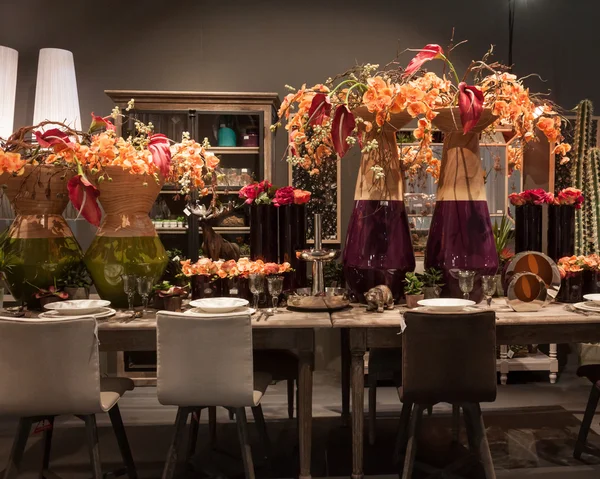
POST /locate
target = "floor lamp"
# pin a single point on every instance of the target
(8, 86)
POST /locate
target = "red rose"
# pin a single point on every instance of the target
(284, 196)
(516, 199)
(249, 193)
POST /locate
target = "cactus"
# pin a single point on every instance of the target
(582, 177)
(591, 202)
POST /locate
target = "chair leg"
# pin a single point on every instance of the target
(231, 414)
(16, 453)
(242, 427)
(470, 431)
(91, 431)
(193, 433)
(117, 424)
(372, 407)
(212, 424)
(47, 447)
(261, 425)
(482, 446)
(402, 431)
(171, 463)
(590, 410)
(411, 448)
(290, 397)
(455, 422)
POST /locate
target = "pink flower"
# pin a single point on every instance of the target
(570, 196)
(429, 52)
(53, 137)
(84, 197)
(537, 196)
(284, 196)
(470, 104)
(301, 197)
(271, 268)
(516, 199)
(249, 193)
(99, 122)
(161, 152)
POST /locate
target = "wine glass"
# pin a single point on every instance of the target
(489, 288)
(275, 284)
(466, 280)
(144, 287)
(129, 286)
(257, 286)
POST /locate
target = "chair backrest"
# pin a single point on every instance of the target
(449, 357)
(49, 367)
(204, 361)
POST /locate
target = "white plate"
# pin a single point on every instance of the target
(587, 306)
(594, 298)
(446, 305)
(101, 313)
(77, 307)
(219, 305)
(237, 312)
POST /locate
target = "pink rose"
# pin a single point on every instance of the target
(570, 196)
(284, 196)
(249, 193)
(516, 199)
(301, 197)
(271, 268)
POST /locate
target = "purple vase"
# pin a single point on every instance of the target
(263, 233)
(528, 228)
(460, 236)
(292, 238)
(561, 231)
(591, 281)
(571, 289)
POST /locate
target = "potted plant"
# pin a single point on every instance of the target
(413, 290)
(76, 282)
(432, 282)
(180, 221)
(169, 297)
(503, 233)
(50, 295)
(7, 261)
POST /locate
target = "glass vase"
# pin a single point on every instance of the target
(460, 236)
(378, 246)
(528, 228)
(561, 231)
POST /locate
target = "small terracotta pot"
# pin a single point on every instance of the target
(412, 300)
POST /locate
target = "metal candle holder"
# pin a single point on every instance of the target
(317, 256)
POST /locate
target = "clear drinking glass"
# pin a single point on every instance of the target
(488, 284)
(257, 286)
(275, 284)
(129, 286)
(466, 281)
(144, 287)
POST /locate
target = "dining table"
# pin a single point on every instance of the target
(555, 323)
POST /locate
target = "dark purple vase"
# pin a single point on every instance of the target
(571, 289)
(460, 237)
(591, 282)
(378, 247)
(292, 238)
(206, 287)
(263, 233)
(561, 231)
(528, 228)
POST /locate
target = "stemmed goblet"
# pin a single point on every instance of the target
(466, 281)
(488, 284)
(275, 285)
(129, 286)
(257, 286)
(144, 287)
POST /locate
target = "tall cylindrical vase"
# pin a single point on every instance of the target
(263, 233)
(378, 246)
(460, 236)
(126, 242)
(561, 231)
(292, 238)
(528, 228)
(39, 235)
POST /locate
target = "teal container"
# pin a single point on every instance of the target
(226, 136)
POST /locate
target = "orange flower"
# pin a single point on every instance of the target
(212, 161)
(11, 162)
(416, 108)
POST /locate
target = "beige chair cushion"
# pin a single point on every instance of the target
(111, 390)
(261, 382)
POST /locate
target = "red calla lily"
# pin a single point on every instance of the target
(320, 108)
(470, 104)
(52, 137)
(341, 127)
(84, 197)
(161, 153)
(429, 52)
(99, 122)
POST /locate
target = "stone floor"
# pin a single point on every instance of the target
(531, 427)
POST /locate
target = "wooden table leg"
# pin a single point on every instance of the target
(345, 356)
(306, 341)
(358, 346)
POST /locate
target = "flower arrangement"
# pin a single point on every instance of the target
(264, 193)
(531, 197)
(232, 269)
(571, 265)
(569, 196)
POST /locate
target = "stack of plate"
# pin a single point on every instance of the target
(215, 306)
(592, 305)
(78, 307)
(445, 305)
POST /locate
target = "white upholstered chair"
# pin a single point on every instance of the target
(50, 368)
(208, 362)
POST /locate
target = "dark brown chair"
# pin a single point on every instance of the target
(592, 372)
(448, 358)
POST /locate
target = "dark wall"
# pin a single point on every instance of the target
(262, 45)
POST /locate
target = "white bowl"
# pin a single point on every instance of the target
(594, 298)
(77, 307)
(219, 305)
(446, 305)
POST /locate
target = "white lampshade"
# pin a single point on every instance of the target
(56, 95)
(8, 88)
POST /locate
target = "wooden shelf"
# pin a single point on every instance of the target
(235, 150)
